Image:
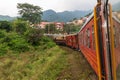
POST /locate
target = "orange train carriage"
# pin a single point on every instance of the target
(84, 40)
(116, 32)
(72, 41)
(99, 41)
(60, 39)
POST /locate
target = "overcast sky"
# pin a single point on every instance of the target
(8, 7)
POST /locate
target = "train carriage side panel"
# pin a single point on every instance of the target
(116, 26)
(68, 40)
(74, 41)
(87, 43)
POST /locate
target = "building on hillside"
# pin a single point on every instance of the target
(76, 22)
(117, 14)
(58, 25)
(42, 25)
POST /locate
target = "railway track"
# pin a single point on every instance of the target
(77, 67)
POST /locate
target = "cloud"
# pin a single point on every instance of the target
(8, 7)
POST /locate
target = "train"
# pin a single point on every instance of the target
(99, 41)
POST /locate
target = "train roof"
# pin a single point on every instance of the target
(72, 34)
(90, 17)
(114, 17)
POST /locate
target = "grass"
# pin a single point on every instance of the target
(40, 64)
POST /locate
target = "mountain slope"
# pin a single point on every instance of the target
(6, 18)
(50, 15)
(65, 16)
(116, 7)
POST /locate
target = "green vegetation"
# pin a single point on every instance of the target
(40, 64)
(30, 12)
(71, 28)
(50, 28)
(5, 25)
(26, 54)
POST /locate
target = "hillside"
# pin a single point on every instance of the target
(50, 15)
(6, 18)
(116, 7)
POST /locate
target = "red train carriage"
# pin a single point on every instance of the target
(72, 41)
(96, 41)
(75, 41)
(116, 26)
(60, 39)
(87, 42)
(68, 40)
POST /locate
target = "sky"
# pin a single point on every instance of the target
(8, 7)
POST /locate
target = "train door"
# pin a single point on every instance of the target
(104, 42)
(99, 43)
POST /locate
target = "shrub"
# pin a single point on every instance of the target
(3, 49)
(2, 33)
(33, 36)
(17, 42)
(20, 26)
(47, 42)
(45, 39)
(5, 25)
(19, 45)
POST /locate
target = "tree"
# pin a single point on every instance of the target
(20, 26)
(71, 28)
(5, 25)
(50, 28)
(33, 36)
(30, 12)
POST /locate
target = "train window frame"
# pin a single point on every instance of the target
(93, 38)
(82, 39)
(88, 38)
(115, 38)
(85, 38)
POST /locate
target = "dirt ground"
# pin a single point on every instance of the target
(77, 67)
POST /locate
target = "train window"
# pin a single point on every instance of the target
(82, 38)
(85, 38)
(88, 38)
(93, 38)
(115, 36)
(116, 40)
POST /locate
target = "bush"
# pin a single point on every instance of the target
(16, 42)
(20, 26)
(2, 33)
(47, 42)
(5, 25)
(51, 44)
(3, 49)
(33, 36)
(46, 39)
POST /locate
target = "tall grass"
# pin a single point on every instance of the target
(43, 64)
(27, 55)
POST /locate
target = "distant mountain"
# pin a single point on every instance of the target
(6, 18)
(50, 15)
(116, 7)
